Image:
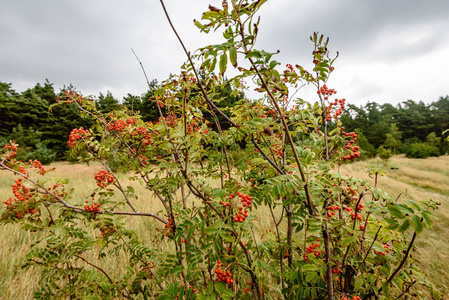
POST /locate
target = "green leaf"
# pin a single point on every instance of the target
(273, 64)
(223, 63)
(391, 221)
(214, 63)
(347, 241)
(254, 53)
(213, 228)
(309, 267)
(207, 246)
(358, 283)
(404, 226)
(426, 218)
(309, 158)
(233, 56)
(395, 212)
(417, 224)
(319, 69)
(227, 238)
(405, 209)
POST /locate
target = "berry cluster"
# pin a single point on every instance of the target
(270, 111)
(353, 298)
(290, 74)
(77, 134)
(38, 165)
(23, 196)
(336, 270)
(104, 178)
(334, 105)
(223, 276)
(312, 249)
(277, 149)
(144, 160)
(13, 150)
(252, 180)
(195, 126)
(326, 92)
(241, 215)
(350, 145)
(70, 97)
(356, 216)
(168, 227)
(246, 199)
(21, 192)
(332, 210)
(225, 204)
(118, 125)
(131, 121)
(351, 191)
(95, 207)
(23, 171)
(142, 131)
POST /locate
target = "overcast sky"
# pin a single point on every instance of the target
(390, 51)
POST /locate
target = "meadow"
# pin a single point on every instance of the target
(417, 179)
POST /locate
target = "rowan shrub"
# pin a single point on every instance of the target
(324, 234)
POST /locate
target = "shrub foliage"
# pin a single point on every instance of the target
(326, 236)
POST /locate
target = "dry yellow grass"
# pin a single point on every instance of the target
(415, 179)
(15, 242)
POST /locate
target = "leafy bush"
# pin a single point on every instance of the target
(421, 150)
(383, 153)
(323, 234)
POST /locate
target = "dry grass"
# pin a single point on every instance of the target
(415, 179)
(15, 242)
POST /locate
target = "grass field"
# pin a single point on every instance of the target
(415, 179)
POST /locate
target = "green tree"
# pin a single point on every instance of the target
(31, 145)
(132, 102)
(393, 139)
(366, 149)
(148, 108)
(8, 101)
(107, 103)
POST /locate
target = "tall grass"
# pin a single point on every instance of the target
(415, 179)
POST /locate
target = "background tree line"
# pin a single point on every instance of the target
(410, 127)
(413, 128)
(43, 133)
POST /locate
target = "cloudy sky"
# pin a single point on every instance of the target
(390, 50)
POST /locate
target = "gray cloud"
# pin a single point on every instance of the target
(383, 44)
